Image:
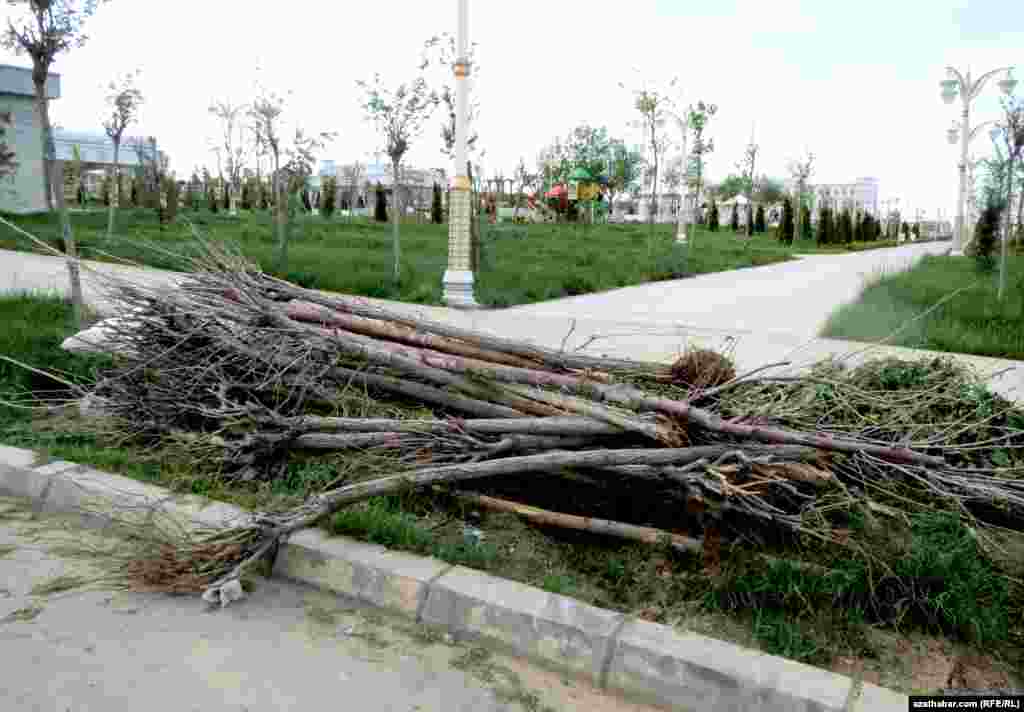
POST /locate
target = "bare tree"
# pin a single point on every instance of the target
(399, 116)
(800, 170)
(523, 179)
(123, 101)
(45, 29)
(747, 167)
(234, 145)
(265, 116)
(355, 176)
(440, 52)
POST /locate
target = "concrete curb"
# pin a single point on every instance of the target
(635, 658)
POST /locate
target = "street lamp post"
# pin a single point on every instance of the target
(968, 90)
(458, 278)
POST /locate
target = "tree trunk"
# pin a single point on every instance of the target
(54, 184)
(594, 525)
(280, 199)
(43, 109)
(117, 188)
(396, 206)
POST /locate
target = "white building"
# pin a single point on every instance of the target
(357, 183)
(23, 191)
(862, 194)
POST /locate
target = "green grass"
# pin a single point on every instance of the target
(519, 264)
(972, 322)
(940, 582)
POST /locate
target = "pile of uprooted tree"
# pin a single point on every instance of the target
(246, 370)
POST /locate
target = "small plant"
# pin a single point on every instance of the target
(713, 216)
(734, 221)
(759, 224)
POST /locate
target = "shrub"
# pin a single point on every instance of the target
(306, 203)
(734, 221)
(436, 208)
(824, 225)
(329, 192)
(226, 195)
(246, 196)
(805, 224)
(135, 193)
(380, 212)
(759, 225)
(986, 234)
(713, 217)
(916, 230)
(173, 195)
(786, 227)
(906, 231)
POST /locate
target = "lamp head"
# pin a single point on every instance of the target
(949, 90)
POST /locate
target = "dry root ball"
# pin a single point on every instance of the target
(703, 368)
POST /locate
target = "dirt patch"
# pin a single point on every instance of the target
(919, 664)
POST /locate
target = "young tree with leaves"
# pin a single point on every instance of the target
(699, 118)
(43, 29)
(399, 116)
(124, 100)
(624, 176)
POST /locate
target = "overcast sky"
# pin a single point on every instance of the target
(856, 83)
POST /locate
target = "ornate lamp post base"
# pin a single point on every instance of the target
(458, 289)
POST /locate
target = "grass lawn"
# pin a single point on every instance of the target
(519, 264)
(972, 322)
(777, 608)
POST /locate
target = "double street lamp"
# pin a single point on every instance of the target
(967, 89)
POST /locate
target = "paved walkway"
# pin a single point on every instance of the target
(289, 647)
(765, 314)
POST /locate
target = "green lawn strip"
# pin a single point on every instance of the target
(953, 590)
(972, 322)
(519, 264)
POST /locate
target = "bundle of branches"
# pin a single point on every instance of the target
(248, 369)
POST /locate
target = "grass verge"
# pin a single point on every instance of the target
(940, 582)
(974, 321)
(519, 264)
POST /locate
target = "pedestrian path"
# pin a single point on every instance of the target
(765, 314)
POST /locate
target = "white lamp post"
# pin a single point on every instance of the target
(458, 278)
(968, 90)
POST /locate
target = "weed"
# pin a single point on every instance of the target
(59, 584)
(22, 615)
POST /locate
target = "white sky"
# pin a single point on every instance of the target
(856, 83)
